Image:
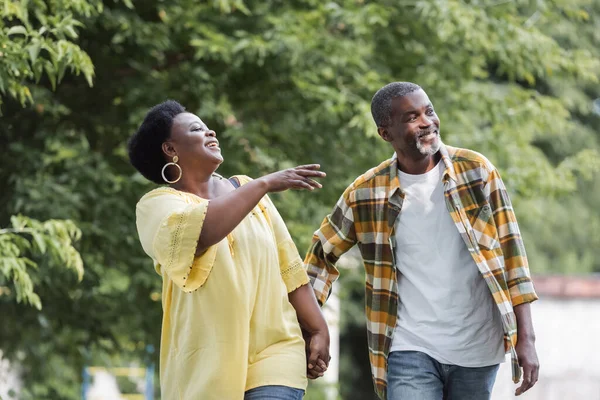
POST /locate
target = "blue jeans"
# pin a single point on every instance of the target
(274, 393)
(413, 375)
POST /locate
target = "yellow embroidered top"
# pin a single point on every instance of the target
(228, 325)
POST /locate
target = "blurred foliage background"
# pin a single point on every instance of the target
(282, 83)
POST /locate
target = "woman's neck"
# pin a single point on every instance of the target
(199, 183)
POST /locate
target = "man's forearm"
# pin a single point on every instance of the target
(307, 309)
(524, 322)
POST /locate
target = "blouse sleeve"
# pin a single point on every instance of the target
(169, 228)
(290, 263)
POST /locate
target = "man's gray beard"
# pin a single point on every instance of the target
(429, 150)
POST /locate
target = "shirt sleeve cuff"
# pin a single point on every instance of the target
(182, 231)
(524, 293)
(294, 276)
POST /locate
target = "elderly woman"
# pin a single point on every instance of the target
(234, 287)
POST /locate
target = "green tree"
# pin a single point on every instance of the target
(36, 41)
(562, 231)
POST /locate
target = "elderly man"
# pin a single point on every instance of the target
(448, 284)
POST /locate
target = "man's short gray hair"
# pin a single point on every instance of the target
(381, 105)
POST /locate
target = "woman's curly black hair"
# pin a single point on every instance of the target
(145, 146)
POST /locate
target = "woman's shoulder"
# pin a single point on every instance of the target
(243, 179)
(168, 193)
(160, 191)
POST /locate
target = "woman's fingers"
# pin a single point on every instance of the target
(309, 166)
(322, 364)
(306, 183)
(302, 177)
(318, 366)
(313, 183)
(301, 184)
(306, 175)
(318, 369)
(311, 374)
(310, 173)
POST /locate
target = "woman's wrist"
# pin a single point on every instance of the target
(316, 327)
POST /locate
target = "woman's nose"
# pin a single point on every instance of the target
(211, 133)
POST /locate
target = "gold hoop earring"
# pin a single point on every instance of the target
(175, 159)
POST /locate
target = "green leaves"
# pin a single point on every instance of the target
(34, 49)
(49, 46)
(28, 239)
(17, 30)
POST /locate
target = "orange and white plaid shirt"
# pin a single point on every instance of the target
(366, 215)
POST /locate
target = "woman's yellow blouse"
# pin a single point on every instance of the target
(227, 325)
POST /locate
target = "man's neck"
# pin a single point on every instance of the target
(417, 165)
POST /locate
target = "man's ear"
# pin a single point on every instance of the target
(168, 149)
(384, 133)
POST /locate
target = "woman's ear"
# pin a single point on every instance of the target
(169, 150)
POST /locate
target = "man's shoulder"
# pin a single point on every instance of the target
(370, 177)
(466, 159)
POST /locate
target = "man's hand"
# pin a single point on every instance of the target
(317, 353)
(526, 353)
(528, 360)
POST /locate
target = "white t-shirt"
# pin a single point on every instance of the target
(446, 309)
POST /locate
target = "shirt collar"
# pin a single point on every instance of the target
(449, 172)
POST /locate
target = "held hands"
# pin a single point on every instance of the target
(314, 330)
(294, 178)
(317, 353)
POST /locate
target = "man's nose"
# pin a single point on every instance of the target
(426, 122)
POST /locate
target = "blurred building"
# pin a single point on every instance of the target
(9, 379)
(567, 325)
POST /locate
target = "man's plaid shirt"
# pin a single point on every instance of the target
(366, 215)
